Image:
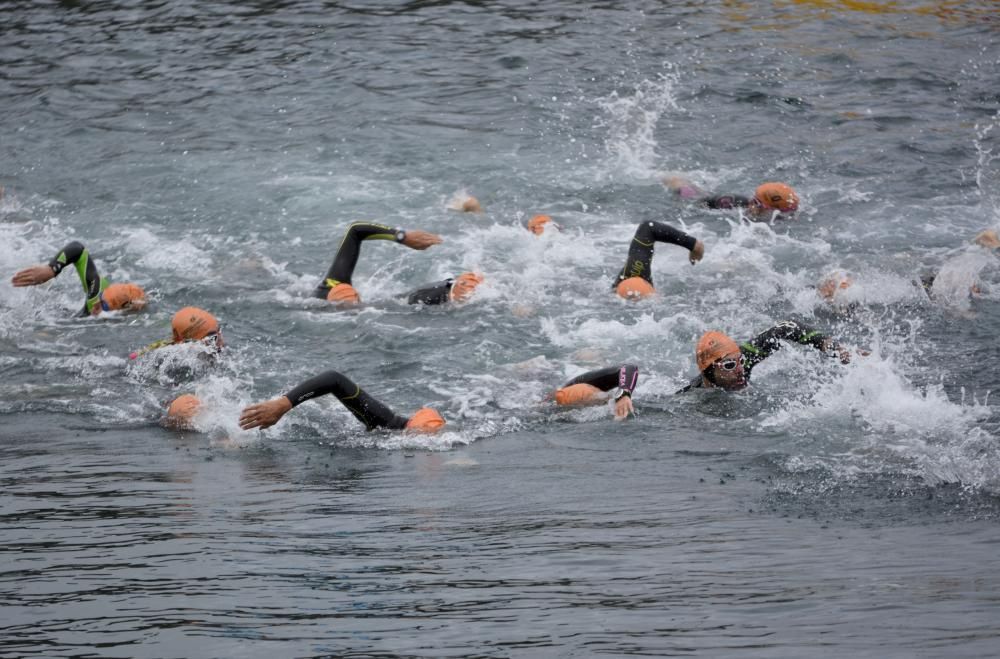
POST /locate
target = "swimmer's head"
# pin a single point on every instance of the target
(988, 239)
(343, 295)
(578, 394)
(181, 412)
(194, 324)
(774, 196)
(536, 225)
(829, 287)
(122, 297)
(464, 286)
(634, 288)
(720, 361)
(425, 420)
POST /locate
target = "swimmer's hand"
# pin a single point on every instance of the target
(623, 407)
(697, 252)
(33, 276)
(417, 239)
(266, 414)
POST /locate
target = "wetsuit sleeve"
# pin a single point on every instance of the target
(696, 383)
(625, 377)
(366, 409)
(346, 260)
(438, 293)
(639, 262)
(767, 342)
(726, 201)
(76, 254)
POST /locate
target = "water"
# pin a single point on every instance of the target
(214, 154)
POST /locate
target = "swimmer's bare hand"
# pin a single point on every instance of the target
(988, 239)
(266, 414)
(623, 408)
(845, 355)
(421, 239)
(697, 252)
(33, 276)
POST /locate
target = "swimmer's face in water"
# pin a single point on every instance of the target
(727, 373)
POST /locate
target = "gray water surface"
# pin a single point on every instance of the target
(215, 152)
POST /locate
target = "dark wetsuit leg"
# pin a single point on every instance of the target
(438, 293)
(76, 254)
(342, 268)
(625, 377)
(640, 252)
(368, 411)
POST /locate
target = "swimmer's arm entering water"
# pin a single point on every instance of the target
(366, 409)
(767, 342)
(624, 377)
(346, 260)
(76, 254)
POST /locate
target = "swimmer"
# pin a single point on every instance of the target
(336, 286)
(190, 325)
(101, 294)
(589, 389)
(636, 279)
(540, 223)
(725, 364)
(366, 409)
(464, 203)
(771, 200)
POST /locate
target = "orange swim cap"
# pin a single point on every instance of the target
(777, 197)
(634, 288)
(343, 294)
(123, 296)
(425, 420)
(193, 324)
(536, 225)
(464, 286)
(182, 411)
(471, 205)
(578, 394)
(713, 346)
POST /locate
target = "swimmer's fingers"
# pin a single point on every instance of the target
(623, 408)
(417, 239)
(697, 252)
(36, 274)
(264, 415)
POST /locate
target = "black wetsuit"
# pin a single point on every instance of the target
(368, 411)
(769, 341)
(438, 293)
(346, 260)
(76, 254)
(342, 268)
(624, 377)
(639, 262)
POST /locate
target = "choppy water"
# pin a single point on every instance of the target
(215, 152)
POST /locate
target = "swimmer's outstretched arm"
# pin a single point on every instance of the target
(342, 268)
(639, 262)
(685, 189)
(767, 342)
(76, 254)
(625, 377)
(437, 293)
(366, 409)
